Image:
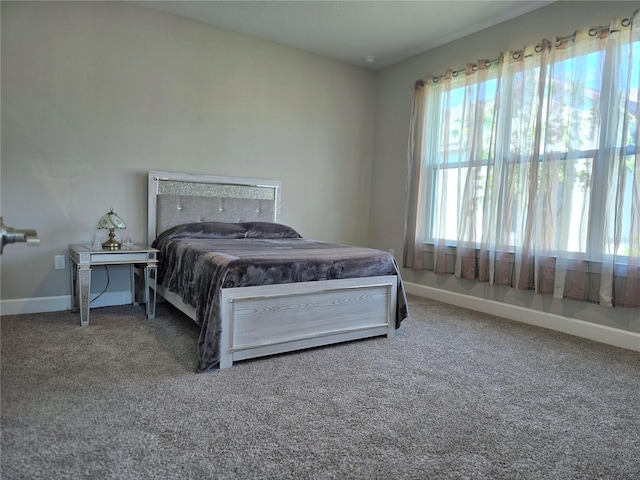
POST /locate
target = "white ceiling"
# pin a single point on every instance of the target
(349, 31)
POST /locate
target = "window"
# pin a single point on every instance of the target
(533, 155)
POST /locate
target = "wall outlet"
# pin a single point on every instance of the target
(59, 262)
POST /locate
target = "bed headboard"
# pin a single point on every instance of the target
(177, 198)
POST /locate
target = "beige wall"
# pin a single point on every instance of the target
(95, 94)
(394, 97)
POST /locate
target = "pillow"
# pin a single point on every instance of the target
(203, 230)
(268, 230)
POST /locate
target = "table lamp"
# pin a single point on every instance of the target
(111, 221)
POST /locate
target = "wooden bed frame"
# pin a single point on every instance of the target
(269, 319)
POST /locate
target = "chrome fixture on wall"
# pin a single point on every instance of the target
(12, 235)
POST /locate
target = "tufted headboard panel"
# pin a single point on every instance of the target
(177, 198)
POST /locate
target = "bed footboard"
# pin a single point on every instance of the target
(271, 319)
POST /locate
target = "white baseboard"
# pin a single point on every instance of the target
(579, 328)
(56, 304)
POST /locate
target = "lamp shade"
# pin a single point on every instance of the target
(111, 220)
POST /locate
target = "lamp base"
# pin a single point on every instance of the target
(111, 244)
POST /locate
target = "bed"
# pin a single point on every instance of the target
(256, 287)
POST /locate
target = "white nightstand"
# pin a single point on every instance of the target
(83, 257)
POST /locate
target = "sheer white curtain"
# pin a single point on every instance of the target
(525, 171)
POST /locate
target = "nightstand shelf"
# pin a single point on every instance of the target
(83, 257)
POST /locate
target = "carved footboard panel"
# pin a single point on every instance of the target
(265, 320)
(271, 319)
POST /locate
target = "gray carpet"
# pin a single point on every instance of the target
(455, 394)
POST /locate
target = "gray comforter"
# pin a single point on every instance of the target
(197, 268)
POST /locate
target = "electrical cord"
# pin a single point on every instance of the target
(106, 267)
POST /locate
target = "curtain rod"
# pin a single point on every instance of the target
(593, 31)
